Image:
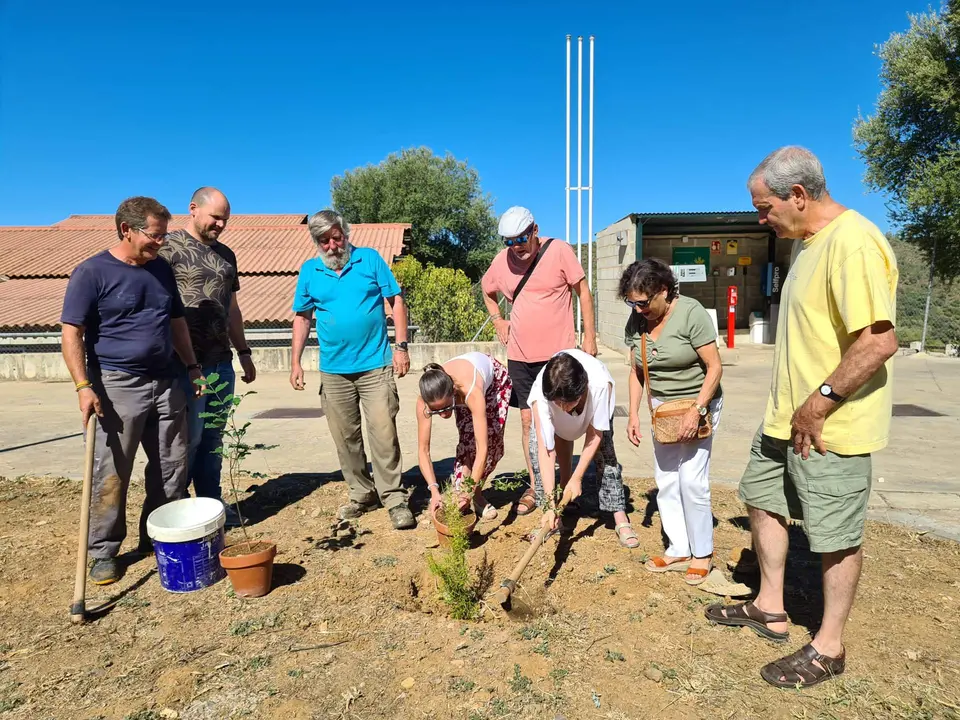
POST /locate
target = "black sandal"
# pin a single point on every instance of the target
(748, 615)
(797, 670)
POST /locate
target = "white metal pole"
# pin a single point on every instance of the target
(590, 182)
(579, 167)
(566, 237)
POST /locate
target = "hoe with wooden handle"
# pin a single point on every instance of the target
(78, 608)
(509, 584)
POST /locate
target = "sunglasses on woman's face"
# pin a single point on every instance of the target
(642, 304)
(448, 409)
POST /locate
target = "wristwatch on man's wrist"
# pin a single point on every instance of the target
(402, 346)
(827, 391)
(701, 410)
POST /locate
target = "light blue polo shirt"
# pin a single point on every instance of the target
(348, 308)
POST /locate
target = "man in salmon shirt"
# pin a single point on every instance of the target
(541, 321)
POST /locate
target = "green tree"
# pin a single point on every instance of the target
(911, 145)
(452, 220)
(444, 304)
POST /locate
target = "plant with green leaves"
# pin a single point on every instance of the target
(452, 219)
(460, 589)
(233, 447)
(443, 301)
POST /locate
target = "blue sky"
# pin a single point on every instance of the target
(100, 101)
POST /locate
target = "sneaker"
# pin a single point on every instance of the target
(402, 518)
(353, 509)
(232, 517)
(104, 571)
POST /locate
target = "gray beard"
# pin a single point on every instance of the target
(333, 261)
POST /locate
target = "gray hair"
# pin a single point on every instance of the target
(789, 166)
(321, 223)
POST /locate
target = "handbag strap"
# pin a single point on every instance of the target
(529, 272)
(646, 371)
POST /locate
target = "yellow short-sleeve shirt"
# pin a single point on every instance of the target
(841, 280)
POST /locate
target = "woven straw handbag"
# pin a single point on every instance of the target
(666, 418)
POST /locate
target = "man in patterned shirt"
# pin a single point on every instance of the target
(206, 272)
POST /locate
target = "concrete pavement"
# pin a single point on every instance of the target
(916, 479)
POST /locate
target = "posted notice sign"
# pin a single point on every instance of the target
(689, 273)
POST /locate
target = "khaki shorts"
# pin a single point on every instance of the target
(828, 493)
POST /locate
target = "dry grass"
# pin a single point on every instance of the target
(352, 617)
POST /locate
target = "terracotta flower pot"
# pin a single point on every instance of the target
(249, 566)
(443, 532)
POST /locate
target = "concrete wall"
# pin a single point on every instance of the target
(612, 258)
(49, 366)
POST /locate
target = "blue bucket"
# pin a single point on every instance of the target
(187, 539)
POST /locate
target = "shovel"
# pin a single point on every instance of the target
(509, 584)
(77, 608)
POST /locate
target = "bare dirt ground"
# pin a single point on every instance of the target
(352, 628)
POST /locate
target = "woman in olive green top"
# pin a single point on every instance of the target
(683, 362)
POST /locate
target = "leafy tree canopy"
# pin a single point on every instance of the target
(911, 145)
(453, 221)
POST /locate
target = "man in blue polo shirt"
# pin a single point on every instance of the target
(346, 287)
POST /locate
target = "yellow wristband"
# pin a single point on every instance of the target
(83, 385)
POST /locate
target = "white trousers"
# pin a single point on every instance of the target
(682, 472)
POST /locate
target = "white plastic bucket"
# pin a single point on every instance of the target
(187, 538)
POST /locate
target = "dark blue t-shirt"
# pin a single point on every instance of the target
(126, 311)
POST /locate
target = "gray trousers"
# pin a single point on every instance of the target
(610, 492)
(342, 397)
(137, 411)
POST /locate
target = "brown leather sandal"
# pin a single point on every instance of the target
(660, 565)
(747, 615)
(527, 502)
(696, 576)
(798, 670)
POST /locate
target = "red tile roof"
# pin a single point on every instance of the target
(106, 222)
(31, 305)
(269, 249)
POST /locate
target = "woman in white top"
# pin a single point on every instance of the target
(476, 388)
(574, 397)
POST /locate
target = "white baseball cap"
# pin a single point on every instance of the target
(515, 221)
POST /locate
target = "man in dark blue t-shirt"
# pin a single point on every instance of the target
(122, 320)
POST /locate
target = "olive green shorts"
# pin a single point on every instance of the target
(828, 493)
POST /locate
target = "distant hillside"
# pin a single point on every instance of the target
(944, 322)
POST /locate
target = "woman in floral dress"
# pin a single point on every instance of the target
(476, 389)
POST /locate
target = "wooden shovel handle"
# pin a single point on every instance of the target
(78, 607)
(509, 584)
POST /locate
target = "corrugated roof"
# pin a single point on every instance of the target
(55, 251)
(34, 304)
(719, 222)
(31, 305)
(38, 261)
(106, 222)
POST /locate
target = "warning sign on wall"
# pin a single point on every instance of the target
(731, 247)
(715, 247)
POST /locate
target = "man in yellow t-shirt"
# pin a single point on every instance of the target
(829, 406)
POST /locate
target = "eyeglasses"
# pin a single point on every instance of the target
(642, 304)
(430, 413)
(522, 240)
(156, 237)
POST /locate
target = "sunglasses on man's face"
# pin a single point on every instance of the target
(522, 240)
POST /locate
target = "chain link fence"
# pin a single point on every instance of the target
(928, 320)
